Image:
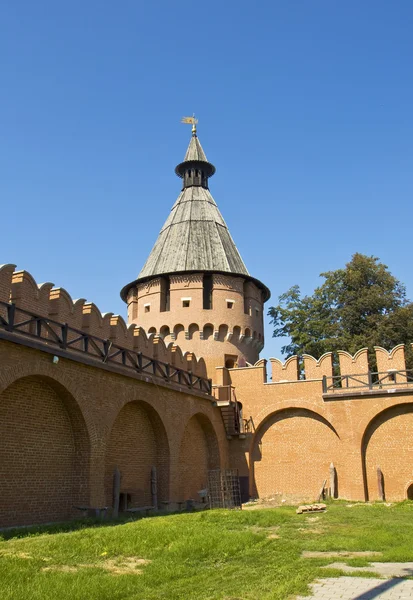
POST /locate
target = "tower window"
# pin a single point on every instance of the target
(186, 302)
(165, 294)
(207, 292)
(230, 361)
(230, 304)
(246, 299)
(257, 312)
(147, 308)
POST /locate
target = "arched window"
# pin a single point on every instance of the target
(410, 492)
(152, 331)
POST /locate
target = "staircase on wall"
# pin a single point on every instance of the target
(234, 423)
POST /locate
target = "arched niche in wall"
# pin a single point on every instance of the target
(222, 332)
(208, 331)
(164, 331)
(179, 330)
(193, 331)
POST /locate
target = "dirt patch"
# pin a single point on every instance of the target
(61, 568)
(24, 555)
(127, 565)
(341, 553)
(274, 501)
(310, 531)
(270, 531)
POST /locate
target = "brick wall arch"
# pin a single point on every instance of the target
(137, 442)
(387, 443)
(199, 452)
(44, 452)
(290, 454)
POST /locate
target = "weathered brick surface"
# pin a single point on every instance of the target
(292, 453)
(199, 438)
(387, 443)
(298, 433)
(45, 300)
(64, 427)
(43, 455)
(211, 333)
(193, 475)
(133, 449)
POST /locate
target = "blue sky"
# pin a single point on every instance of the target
(305, 108)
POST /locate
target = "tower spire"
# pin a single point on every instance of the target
(195, 168)
(195, 237)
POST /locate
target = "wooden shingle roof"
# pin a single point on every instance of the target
(194, 237)
(195, 150)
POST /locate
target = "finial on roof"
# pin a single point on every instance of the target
(191, 120)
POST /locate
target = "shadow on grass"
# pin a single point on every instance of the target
(76, 525)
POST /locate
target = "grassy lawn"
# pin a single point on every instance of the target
(213, 555)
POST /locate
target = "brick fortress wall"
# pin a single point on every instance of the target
(65, 426)
(301, 428)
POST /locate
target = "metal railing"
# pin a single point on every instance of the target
(24, 323)
(247, 426)
(372, 380)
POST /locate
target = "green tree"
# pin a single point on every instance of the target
(362, 305)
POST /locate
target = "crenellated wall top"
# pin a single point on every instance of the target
(306, 367)
(45, 300)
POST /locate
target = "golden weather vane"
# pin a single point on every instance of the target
(190, 120)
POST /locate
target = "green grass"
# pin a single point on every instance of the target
(213, 555)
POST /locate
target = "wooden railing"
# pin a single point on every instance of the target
(371, 380)
(26, 325)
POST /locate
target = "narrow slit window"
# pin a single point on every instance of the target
(207, 292)
(165, 294)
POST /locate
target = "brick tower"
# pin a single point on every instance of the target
(194, 287)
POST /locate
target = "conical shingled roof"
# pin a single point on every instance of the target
(195, 150)
(195, 237)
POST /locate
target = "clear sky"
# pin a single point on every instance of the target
(305, 108)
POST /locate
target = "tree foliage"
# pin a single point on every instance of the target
(362, 305)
